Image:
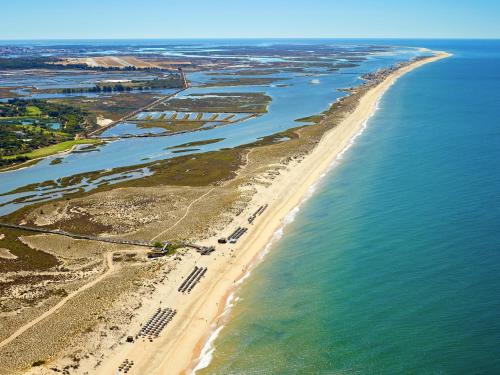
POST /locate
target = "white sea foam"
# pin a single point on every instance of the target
(353, 139)
(208, 351)
(244, 277)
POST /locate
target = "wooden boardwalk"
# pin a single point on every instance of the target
(78, 236)
(203, 250)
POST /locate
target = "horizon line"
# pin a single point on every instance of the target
(250, 38)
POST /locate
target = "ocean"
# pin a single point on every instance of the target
(393, 265)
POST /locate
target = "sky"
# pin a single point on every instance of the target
(109, 19)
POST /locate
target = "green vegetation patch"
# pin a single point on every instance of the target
(54, 149)
(313, 119)
(33, 110)
(27, 129)
(169, 248)
(197, 143)
(72, 119)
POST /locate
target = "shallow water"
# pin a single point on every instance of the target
(392, 266)
(299, 99)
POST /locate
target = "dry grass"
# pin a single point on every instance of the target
(100, 308)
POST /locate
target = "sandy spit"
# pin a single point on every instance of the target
(200, 313)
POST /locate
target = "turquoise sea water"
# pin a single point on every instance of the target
(393, 266)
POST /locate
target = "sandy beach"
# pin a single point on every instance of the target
(200, 313)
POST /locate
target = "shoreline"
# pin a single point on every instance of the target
(205, 348)
(306, 192)
(179, 348)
